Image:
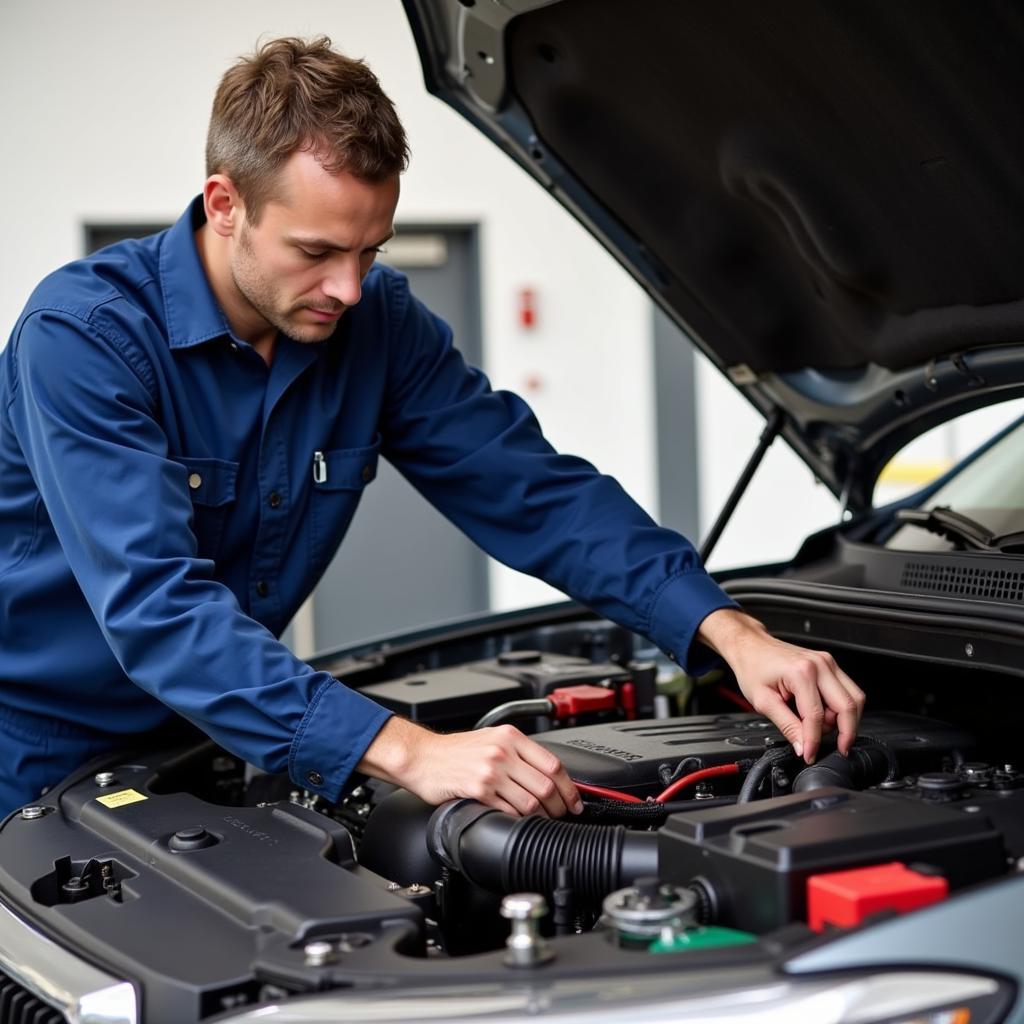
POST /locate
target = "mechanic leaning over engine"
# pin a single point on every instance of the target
(187, 423)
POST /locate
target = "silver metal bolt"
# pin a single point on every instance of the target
(31, 813)
(969, 650)
(318, 954)
(103, 779)
(393, 887)
(650, 909)
(416, 889)
(525, 947)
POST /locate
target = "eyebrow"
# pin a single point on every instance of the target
(324, 243)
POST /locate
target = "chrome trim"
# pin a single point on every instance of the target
(83, 993)
(653, 999)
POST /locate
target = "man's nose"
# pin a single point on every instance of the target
(344, 284)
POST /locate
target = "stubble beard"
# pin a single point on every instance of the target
(256, 288)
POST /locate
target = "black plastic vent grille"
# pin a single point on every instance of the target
(19, 1006)
(964, 581)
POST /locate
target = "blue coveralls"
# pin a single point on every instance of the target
(160, 522)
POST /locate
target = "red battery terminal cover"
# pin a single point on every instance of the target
(846, 898)
(578, 700)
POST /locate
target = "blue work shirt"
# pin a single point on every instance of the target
(168, 502)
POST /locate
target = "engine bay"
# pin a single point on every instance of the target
(702, 834)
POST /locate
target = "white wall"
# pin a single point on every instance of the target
(104, 108)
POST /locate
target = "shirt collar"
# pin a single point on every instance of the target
(192, 313)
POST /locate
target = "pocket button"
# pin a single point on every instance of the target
(195, 481)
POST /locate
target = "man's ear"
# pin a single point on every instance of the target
(224, 208)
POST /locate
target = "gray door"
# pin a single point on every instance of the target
(402, 564)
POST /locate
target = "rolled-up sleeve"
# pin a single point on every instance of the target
(479, 456)
(86, 414)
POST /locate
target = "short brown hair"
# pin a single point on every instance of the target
(291, 95)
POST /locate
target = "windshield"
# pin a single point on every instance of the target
(990, 490)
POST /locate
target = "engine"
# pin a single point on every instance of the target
(701, 830)
(715, 805)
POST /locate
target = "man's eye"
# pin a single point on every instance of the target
(376, 250)
(309, 254)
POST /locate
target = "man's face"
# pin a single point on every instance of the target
(303, 265)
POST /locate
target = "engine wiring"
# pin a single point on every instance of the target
(693, 778)
(666, 794)
(608, 794)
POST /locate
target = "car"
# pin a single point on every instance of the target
(826, 198)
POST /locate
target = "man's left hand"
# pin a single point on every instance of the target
(771, 672)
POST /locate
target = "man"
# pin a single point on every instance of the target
(187, 423)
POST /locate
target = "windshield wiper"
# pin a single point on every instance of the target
(961, 529)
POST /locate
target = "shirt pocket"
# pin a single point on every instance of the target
(211, 486)
(339, 477)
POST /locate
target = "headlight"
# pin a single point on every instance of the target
(898, 997)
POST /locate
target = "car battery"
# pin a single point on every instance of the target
(753, 860)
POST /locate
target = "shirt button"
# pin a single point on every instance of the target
(274, 500)
(367, 474)
(314, 778)
(263, 588)
(195, 481)
(234, 346)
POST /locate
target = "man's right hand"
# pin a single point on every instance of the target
(498, 766)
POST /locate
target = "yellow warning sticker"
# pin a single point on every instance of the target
(125, 796)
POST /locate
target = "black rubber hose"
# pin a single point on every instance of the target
(761, 770)
(892, 765)
(866, 766)
(505, 854)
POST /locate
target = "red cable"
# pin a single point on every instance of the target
(688, 780)
(611, 794)
(736, 698)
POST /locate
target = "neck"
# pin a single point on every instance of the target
(245, 322)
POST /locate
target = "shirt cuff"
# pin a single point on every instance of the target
(338, 726)
(681, 605)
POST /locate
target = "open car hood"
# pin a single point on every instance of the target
(825, 196)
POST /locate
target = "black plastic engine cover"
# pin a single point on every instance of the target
(627, 755)
(755, 858)
(457, 697)
(202, 890)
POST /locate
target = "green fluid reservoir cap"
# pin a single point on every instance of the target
(712, 937)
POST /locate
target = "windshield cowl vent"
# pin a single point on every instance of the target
(963, 581)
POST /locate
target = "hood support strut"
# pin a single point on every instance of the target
(772, 428)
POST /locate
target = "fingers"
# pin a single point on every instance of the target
(805, 683)
(771, 704)
(519, 776)
(551, 769)
(846, 699)
(826, 698)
